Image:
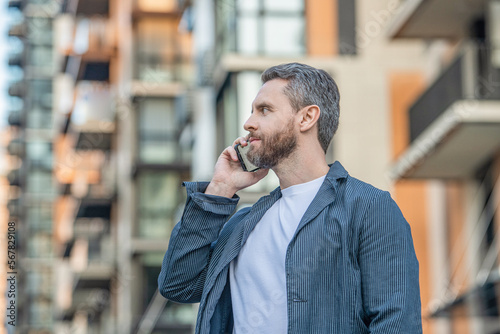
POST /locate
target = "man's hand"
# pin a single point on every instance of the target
(229, 177)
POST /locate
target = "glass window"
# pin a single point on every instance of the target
(39, 217)
(248, 6)
(39, 153)
(284, 5)
(39, 118)
(284, 35)
(157, 131)
(225, 26)
(248, 39)
(41, 93)
(40, 245)
(157, 201)
(39, 282)
(40, 31)
(39, 182)
(40, 312)
(161, 51)
(266, 27)
(40, 56)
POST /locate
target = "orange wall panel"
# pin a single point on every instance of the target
(322, 27)
(411, 195)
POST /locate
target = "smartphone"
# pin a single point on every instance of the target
(242, 151)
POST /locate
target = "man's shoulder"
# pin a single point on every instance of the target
(357, 187)
(352, 186)
(359, 195)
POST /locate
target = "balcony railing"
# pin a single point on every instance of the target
(18, 30)
(92, 118)
(455, 124)
(89, 45)
(15, 118)
(86, 7)
(16, 4)
(470, 76)
(16, 59)
(17, 89)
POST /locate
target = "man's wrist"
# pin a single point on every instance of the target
(220, 189)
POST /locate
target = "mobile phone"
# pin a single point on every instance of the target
(242, 151)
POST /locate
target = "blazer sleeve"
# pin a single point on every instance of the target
(185, 263)
(389, 270)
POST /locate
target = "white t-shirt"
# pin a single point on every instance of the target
(257, 274)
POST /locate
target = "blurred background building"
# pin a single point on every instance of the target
(115, 102)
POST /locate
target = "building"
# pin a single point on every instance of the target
(102, 141)
(32, 189)
(448, 157)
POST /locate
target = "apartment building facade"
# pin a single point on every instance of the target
(100, 139)
(447, 157)
(121, 100)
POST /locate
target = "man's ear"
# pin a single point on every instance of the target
(309, 117)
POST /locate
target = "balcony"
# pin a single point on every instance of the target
(17, 89)
(16, 4)
(14, 177)
(89, 44)
(162, 55)
(435, 18)
(15, 207)
(16, 147)
(94, 208)
(16, 59)
(15, 118)
(455, 124)
(86, 7)
(18, 30)
(92, 119)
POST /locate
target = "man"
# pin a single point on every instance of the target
(323, 253)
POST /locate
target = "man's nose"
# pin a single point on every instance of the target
(250, 124)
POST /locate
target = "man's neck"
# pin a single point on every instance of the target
(300, 169)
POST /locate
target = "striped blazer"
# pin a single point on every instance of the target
(350, 266)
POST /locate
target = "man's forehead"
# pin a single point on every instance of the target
(271, 88)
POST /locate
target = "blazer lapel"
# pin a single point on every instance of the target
(326, 194)
(233, 236)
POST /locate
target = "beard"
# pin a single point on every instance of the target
(274, 148)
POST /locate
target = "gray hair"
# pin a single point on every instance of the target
(310, 86)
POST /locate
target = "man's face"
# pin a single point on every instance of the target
(271, 127)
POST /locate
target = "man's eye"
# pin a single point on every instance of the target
(265, 110)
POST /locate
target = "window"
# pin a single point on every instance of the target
(162, 53)
(41, 92)
(39, 217)
(158, 198)
(39, 153)
(39, 182)
(40, 30)
(40, 245)
(39, 281)
(39, 118)
(41, 313)
(41, 56)
(263, 27)
(157, 131)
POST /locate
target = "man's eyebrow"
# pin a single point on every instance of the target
(262, 105)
